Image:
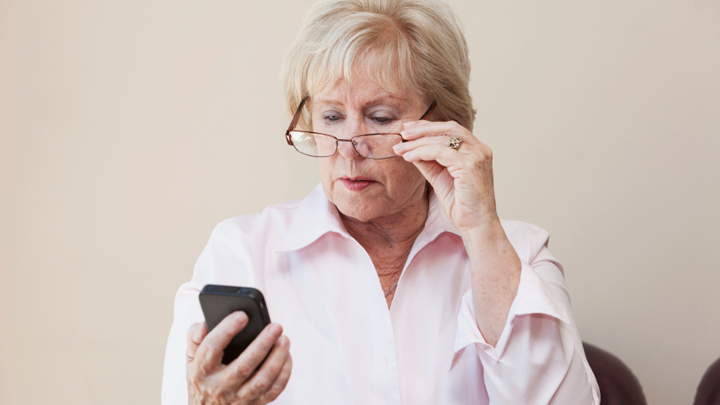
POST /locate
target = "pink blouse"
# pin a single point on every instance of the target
(348, 348)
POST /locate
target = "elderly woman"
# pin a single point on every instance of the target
(394, 279)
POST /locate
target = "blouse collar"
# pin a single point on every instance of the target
(316, 216)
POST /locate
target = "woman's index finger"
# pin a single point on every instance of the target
(418, 129)
(212, 347)
(255, 353)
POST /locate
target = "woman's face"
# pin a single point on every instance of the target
(361, 188)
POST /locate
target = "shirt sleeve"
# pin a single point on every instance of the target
(539, 358)
(220, 263)
(187, 312)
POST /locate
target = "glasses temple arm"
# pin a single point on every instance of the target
(296, 118)
(294, 121)
(429, 110)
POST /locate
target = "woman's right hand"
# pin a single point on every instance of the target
(212, 383)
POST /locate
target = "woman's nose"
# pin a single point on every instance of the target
(354, 126)
(347, 150)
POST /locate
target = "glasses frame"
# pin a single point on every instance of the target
(296, 118)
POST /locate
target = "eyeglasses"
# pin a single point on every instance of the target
(372, 146)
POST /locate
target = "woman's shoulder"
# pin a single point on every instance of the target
(237, 246)
(274, 218)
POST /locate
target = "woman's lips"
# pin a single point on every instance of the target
(357, 183)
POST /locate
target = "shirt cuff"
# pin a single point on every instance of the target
(534, 296)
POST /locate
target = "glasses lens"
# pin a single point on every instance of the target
(378, 146)
(312, 144)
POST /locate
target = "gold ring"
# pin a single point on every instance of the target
(455, 142)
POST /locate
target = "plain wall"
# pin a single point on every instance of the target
(128, 129)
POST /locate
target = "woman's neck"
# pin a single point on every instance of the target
(388, 240)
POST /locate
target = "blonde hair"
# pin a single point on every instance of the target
(414, 46)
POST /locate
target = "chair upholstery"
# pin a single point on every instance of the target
(618, 385)
(708, 392)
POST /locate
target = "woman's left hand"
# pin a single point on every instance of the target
(462, 178)
(463, 181)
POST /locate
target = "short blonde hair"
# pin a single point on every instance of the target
(415, 46)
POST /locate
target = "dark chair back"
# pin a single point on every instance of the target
(708, 392)
(618, 385)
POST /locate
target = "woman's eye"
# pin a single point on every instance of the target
(331, 117)
(382, 120)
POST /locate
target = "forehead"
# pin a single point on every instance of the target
(366, 74)
(361, 92)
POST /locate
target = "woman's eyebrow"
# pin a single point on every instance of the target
(387, 99)
(329, 103)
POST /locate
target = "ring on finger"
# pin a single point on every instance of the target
(455, 142)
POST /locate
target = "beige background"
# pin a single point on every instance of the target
(129, 128)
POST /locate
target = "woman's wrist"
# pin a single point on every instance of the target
(486, 231)
(490, 250)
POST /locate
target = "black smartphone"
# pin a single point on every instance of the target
(219, 301)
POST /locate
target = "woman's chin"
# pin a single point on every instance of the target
(357, 212)
(360, 208)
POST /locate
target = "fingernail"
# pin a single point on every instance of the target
(285, 343)
(398, 148)
(240, 317)
(275, 329)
